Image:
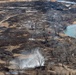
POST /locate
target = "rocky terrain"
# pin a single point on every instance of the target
(28, 25)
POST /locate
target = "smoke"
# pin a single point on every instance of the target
(28, 59)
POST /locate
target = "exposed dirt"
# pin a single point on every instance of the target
(44, 22)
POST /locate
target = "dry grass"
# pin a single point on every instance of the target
(11, 47)
(74, 22)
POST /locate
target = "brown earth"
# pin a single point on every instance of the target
(45, 22)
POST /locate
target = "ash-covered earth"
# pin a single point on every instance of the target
(27, 25)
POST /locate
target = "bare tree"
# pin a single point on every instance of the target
(44, 32)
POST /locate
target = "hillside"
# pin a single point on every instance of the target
(37, 27)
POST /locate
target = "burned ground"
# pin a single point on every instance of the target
(45, 22)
